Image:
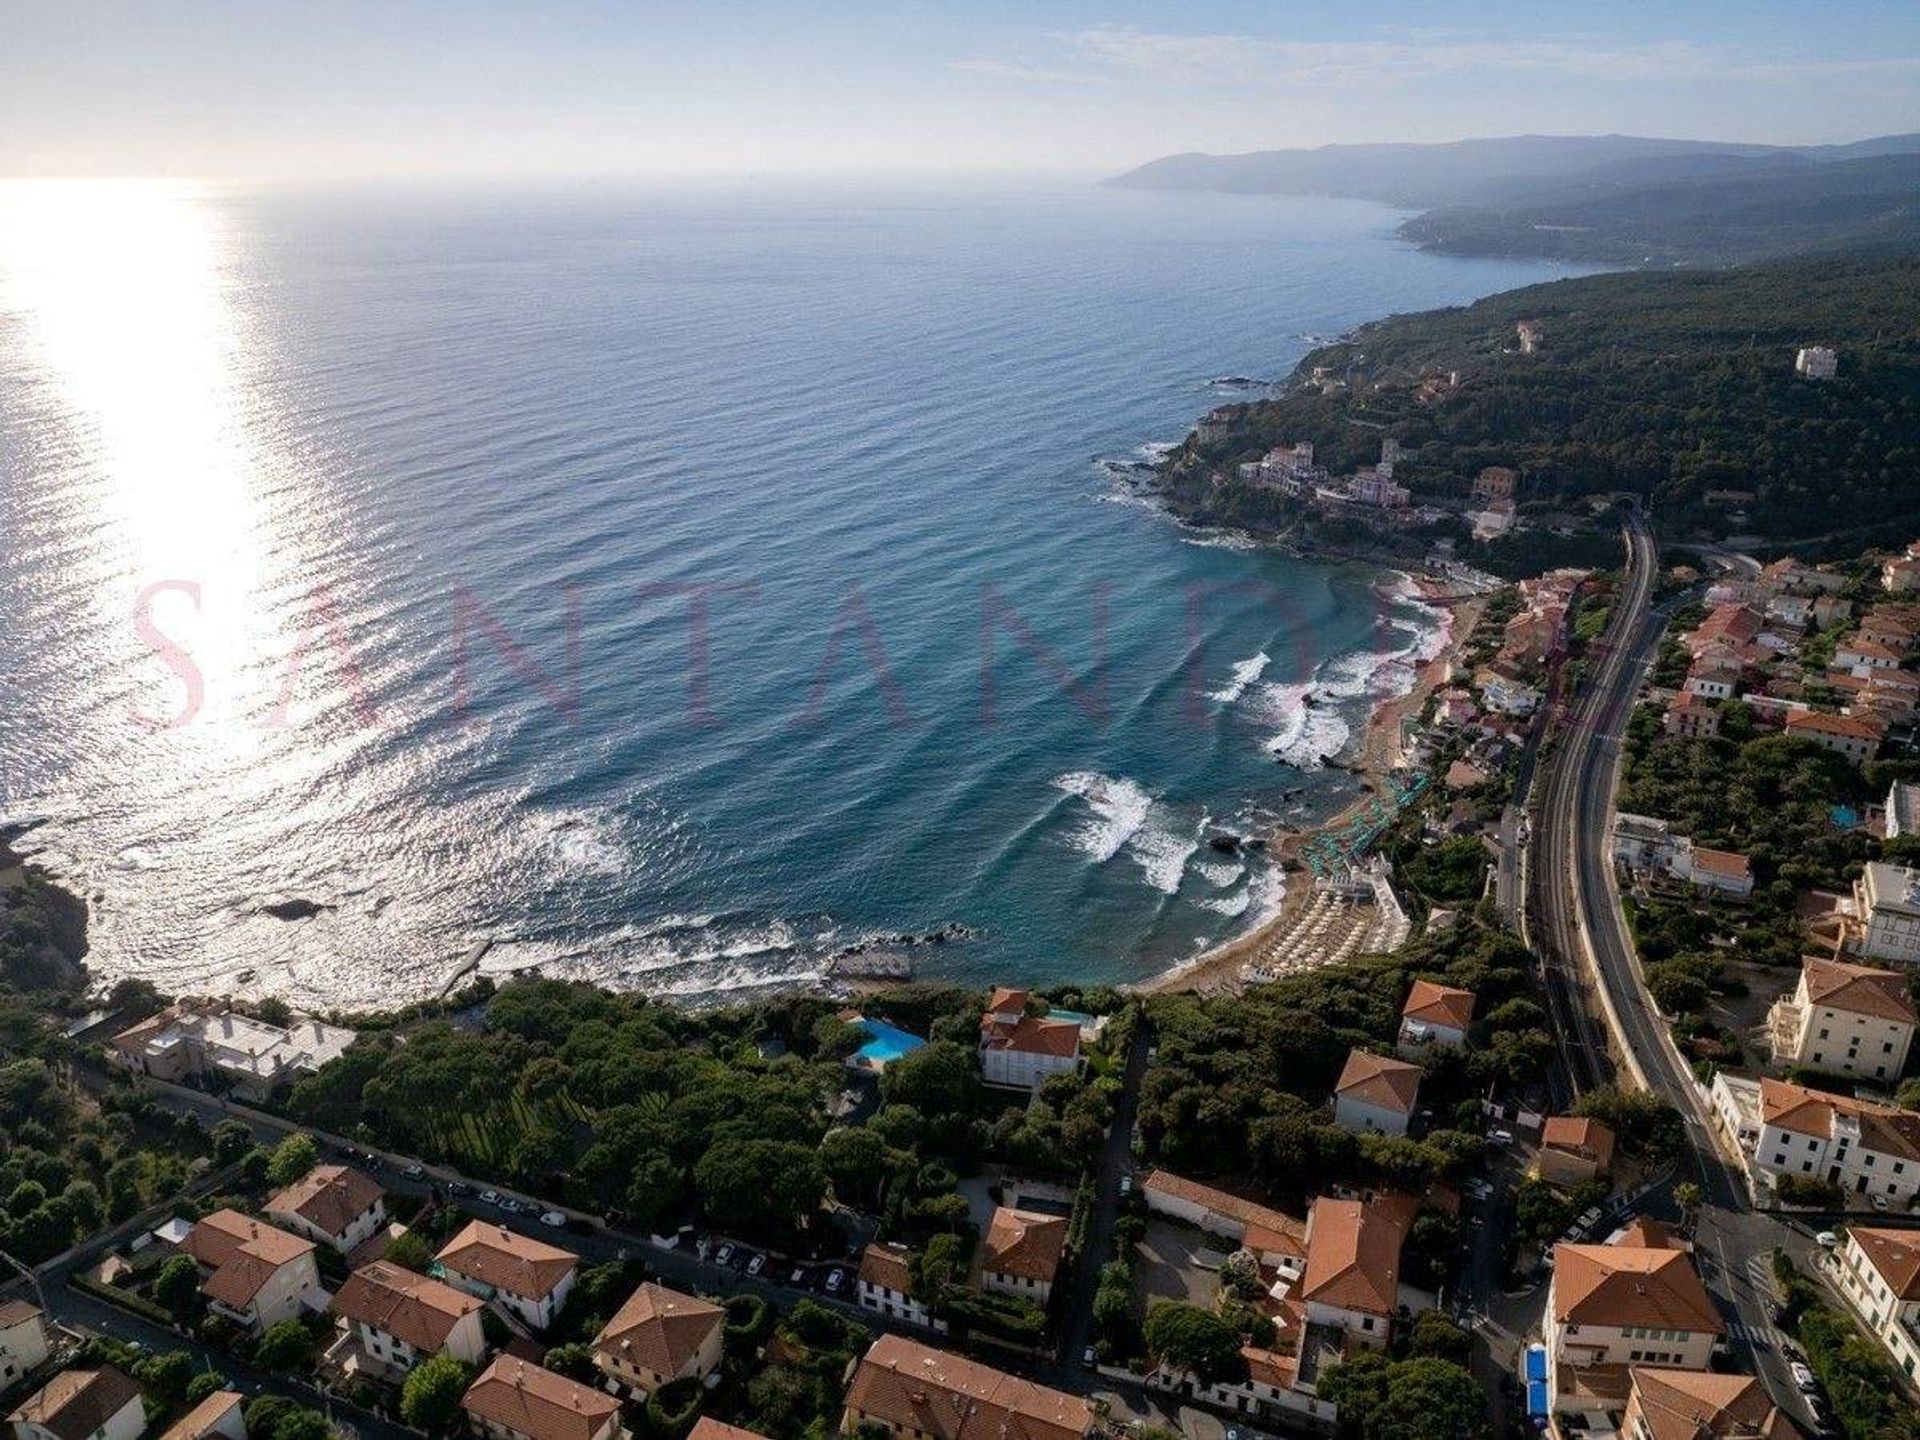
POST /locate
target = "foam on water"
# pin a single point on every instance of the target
(1244, 674)
(1117, 808)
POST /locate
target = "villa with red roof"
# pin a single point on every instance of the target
(907, 1389)
(1375, 1095)
(1021, 1253)
(528, 1278)
(1610, 1307)
(1879, 1273)
(1020, 1051)
(332, 1205)
(515, 1400)
(1435, 1014)
(1845, 1019)
(657, 1337)
(251, 1273)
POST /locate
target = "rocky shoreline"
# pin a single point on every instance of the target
(43, 925)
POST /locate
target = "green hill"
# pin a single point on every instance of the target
(1669, 384)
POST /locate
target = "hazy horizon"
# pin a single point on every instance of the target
(218, 90)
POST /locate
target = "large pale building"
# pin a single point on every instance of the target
(913, 1391)
(1879, 1273)
(194, 1040)
(1860, 1146)
(1845, 1019)
(1886, 912)
(1609, 1307)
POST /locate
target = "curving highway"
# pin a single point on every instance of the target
(1608, 1026)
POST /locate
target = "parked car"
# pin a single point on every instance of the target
(489, 1197)
(724, 1255)
(835, 1279)
(1826, 1239)
(1589, 1218)
(459, 1187)
(799, 1276)
(511, 1205)
(553, 1219)
(1803, 1378)
(1087, 1358)
(1500, 1137)
(414, 1171)
(1879, 1202)
(756, 1264)
(1126, 1184)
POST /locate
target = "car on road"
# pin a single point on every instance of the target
(1827, 1240)
(1087, 1357)
(724, 1255)
(553, 1219)
(756, 1264)
(1803, 1378)
(489, 1197)
(459, 1187)
(1126, 1184)
(835, 1279)
(511, 1205)
(414, 1171)
(1500, 1137)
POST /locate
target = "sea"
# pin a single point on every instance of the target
(683, 588)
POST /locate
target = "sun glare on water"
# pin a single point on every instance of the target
(122, 290)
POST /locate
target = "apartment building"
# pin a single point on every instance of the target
(1635, 1302)
(1845, 1019)
(908, 1389)
(1886, 912)
(1879, 1273)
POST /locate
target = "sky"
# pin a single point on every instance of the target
(308, 89)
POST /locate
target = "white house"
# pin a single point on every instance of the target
(1816, 362)
(1646, 845)
(1020, 1051)
(1375, 1095)
(102, 1404)
(513, 1400)
(1021, 1253)
(1879, 1273)
(1726, 871)
(1903, 809)
(1862, 1147)
(657, 1337)
(1886, 910)
(1351, 1282)
(1635, 1302)
(217, 1417)
(886, 1286)
(23, 1341)
(1845, 1019)
(332, 1205)
(526, 1277)
(251, 1273)
(397, 1318)
(1435, 1014)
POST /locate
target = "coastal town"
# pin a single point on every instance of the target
(1402, 1146)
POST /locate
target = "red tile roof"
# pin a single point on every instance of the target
(533, 1401)
(508, 1260)
(945, 1397)
(1436, 1004)
(1025, 1245)
(330, 1198)
(1377, 1080)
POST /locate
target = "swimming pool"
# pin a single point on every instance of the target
(889, 1042)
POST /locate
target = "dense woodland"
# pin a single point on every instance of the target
(1668, 385)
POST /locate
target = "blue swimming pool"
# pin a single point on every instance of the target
(889, 1042)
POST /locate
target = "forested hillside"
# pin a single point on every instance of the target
(1669, 385)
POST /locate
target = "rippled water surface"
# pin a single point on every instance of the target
(674, 588)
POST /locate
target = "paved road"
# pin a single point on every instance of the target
(1116, 1160)
(1579, 914)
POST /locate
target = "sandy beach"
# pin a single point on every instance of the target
(1219, 968)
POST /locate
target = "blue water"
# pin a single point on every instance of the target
(889, 1042)
(451, 471)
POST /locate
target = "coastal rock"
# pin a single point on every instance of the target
(297, 908)
(1225, 844)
